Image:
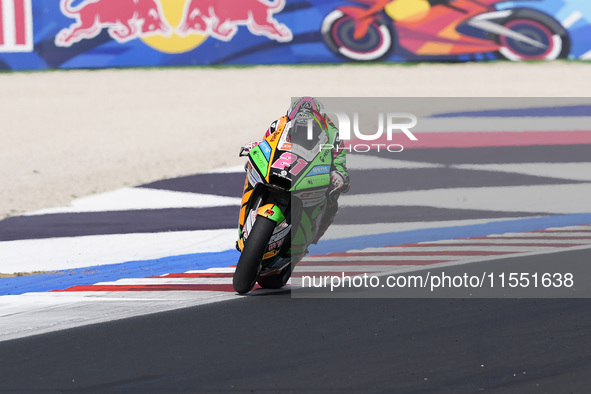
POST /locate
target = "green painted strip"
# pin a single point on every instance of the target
(259, 160)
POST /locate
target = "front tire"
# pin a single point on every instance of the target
(538, 26)
(249, 263)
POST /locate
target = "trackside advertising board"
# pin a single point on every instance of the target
(63, 34)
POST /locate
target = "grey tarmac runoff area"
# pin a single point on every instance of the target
(276, 343)
(459, 210)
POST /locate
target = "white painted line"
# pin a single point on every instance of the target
(213, 270)
(560, 199)
(228, 170)
(141, 198)
(38, 313)
(497, 241)
(337, 231)
(167, 281)
(568, 228)
(571, 171)
(77, 252)
(546, 235)
(313, 259)
(437, 249)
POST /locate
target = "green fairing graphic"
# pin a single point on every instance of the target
(302, 234)
(307, 182)
(317, 211)
(259, 160)
(277, 215)
(313, 181)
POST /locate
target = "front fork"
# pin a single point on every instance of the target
(273, 206)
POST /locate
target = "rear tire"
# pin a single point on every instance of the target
(275, 281)
(249, 264)
(338, 34)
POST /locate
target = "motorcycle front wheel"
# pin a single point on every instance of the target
(249, 263)
(553, 38)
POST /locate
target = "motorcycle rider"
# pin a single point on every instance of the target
(339, 176)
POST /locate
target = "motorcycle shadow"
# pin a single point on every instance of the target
(260, 292)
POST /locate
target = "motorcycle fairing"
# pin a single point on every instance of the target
(251, 210)
(436, 32)
(258, 170)
(278, 171)
(318, 161)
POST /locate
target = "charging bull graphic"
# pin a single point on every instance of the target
(221, 18)
(130, 19)
(125, 19)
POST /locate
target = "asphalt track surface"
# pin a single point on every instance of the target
(276, 343)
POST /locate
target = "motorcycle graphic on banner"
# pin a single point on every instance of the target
(371, 29)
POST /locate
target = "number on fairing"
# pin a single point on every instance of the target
(299, 166)
(286, 159)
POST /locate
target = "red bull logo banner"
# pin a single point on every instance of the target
(40, 34)
(170, 21)
(123, 19)
(130, 19)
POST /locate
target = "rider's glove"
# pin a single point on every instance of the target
(248, 147)
(338, 185)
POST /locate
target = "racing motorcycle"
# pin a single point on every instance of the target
(371, 29)
(284, 200)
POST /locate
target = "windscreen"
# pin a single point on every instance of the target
(307, 130)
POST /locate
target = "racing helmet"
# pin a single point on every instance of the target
(308, 128)
(305, 103)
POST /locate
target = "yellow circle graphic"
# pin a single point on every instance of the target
(407, 10)
(174, 43)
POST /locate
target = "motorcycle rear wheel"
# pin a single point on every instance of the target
(338, 33)
(249, 263)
